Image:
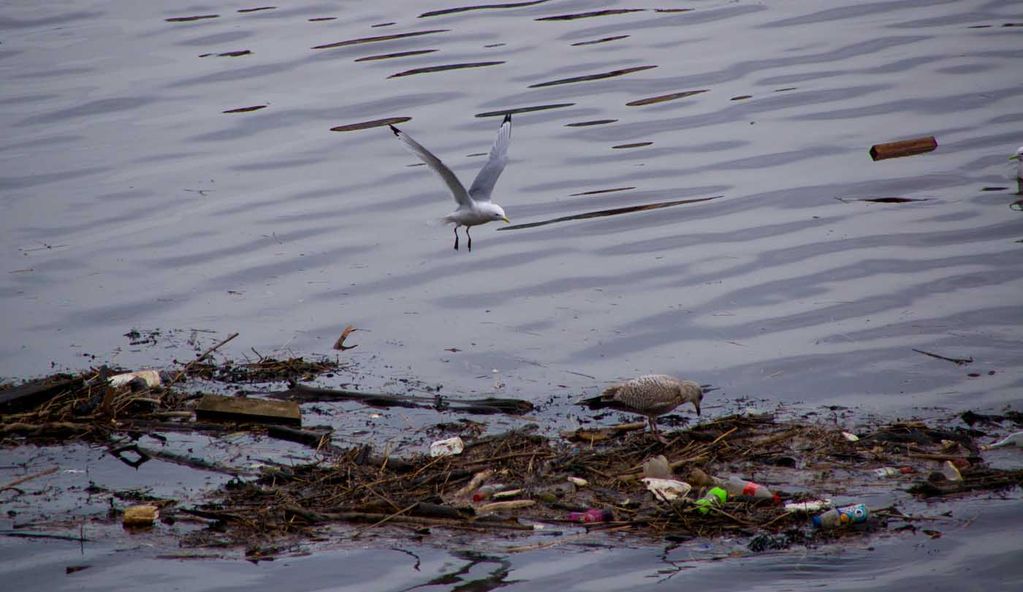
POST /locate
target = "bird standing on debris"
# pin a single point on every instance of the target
(474, 205)
(1018, 157)
(652, 395)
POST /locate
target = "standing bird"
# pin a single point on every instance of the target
(652, 395)
(1019, 169)
(474, 205)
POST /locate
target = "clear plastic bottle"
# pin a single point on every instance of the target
(844, 516)
(737, 486)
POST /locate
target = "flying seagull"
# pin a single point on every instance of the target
(474, 205)
(652, 395)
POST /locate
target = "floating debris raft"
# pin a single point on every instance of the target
(520, 480)
(748, 475)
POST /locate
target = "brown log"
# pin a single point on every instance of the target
(903, 148)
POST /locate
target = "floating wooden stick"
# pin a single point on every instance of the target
(903, 148)
(956, 361)
(20, 480)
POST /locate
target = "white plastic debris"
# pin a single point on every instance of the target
(448, 447)
(578, 481)
(850, 436)
(1010, 440)
(808, 507)
(951, 472)
(150, 377)
(667, 490)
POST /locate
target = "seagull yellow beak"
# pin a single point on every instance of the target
(1014, 157)
(506, 220)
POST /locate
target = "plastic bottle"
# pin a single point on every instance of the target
(487, 491)
(839, 517)
(737, 486)
(591, 515)
(714, 497)
(884, 472)
(951, 471)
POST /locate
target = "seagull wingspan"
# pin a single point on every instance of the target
(456, 187)
(484, 183)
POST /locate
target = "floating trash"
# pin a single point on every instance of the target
(667, 490)
(141, 516)
(807, 506)
(845, 516)
(448, 447)
(149, 378)
(1010, 440)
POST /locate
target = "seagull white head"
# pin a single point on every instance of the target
(494, 211)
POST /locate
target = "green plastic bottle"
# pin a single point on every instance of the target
(714, 497)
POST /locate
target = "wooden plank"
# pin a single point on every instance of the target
(247, 410)
(30, 394)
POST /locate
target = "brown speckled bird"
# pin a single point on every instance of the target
(651, 395)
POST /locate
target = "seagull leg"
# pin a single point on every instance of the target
(456, 238)
(657, 434)
(470, 238)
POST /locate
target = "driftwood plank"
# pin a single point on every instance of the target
(250, 410)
